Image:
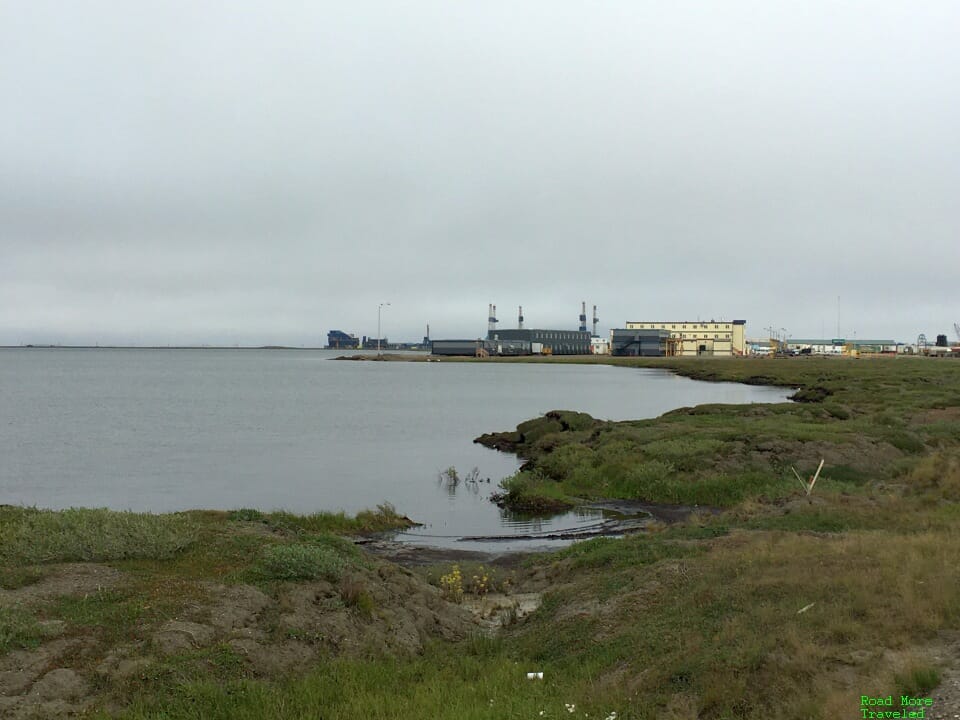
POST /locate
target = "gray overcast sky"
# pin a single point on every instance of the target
(263, 172)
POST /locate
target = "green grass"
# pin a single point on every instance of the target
(715, 621)
(29, 536)
(301, 562)
(384, 517)
(631, 552)
(13, 578)
(479, 680)
(648, 627)
(19, 629)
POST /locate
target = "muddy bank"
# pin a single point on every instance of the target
(413, 556)
(267, 632)
(657, 511)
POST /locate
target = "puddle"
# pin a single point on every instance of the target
(609, 518)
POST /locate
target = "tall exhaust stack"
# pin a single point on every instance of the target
(583, 317)
(520, 318)
(491, 320)
(595, 321)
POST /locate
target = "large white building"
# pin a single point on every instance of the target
(691, 338)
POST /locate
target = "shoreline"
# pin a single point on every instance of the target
(248, 614)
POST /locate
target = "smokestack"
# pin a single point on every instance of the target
(595, 321)
(491, 320)
(583, 317)
(520, 318)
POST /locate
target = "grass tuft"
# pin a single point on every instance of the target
(302, 562)
(917, 681)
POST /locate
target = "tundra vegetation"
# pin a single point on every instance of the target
(765, 602)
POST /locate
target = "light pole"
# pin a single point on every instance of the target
(379, 308)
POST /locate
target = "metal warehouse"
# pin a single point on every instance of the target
(556, 342)
(469, 348)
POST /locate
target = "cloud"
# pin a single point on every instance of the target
(265, 172)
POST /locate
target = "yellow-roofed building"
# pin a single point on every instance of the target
(692, 338)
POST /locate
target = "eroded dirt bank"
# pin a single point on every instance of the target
(377, 608)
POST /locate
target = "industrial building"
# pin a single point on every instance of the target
(524, 341)
(639, 343)
(599, 345)
(553, 342)
(691, 338)
(468, 348)
(840, 346)
(339, 340)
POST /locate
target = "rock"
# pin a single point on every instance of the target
(19, 669)
(7, 704)
(239, 607)
(130, 667)
(274, 660)
(59, 684)
(176, 636)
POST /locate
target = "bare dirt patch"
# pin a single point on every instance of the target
(65, 579)
(494, 611)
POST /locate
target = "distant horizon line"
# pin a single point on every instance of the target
(48, 346)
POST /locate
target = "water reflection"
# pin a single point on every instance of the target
(519, 523)
(525, 532)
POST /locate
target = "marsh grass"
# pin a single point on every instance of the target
(937, 476)
(719, 621)
(29, 536)
(384, 517)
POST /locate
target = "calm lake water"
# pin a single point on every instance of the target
(162, 430)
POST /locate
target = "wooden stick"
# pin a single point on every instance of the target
(814, 480)
(799, 478)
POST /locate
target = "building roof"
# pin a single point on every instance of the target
(687, 322)
(840, 341)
